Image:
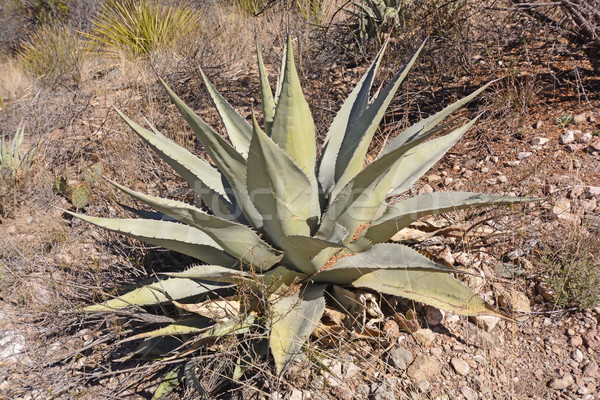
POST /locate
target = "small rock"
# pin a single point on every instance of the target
(468, 174)
(425, 189)
(460, 366)
(433, 178)
(296, 395)
(593, 191)
(591, 370)
(539, 141)
(401, 357)
(485, 170)
(585, 138)
(514, 163)
(576, 341)
(562, 383)
(524, 154)
(561, 207)
(487, 322)
(515, 300)
(567, 138)
(579, 118)
(424, 337)
(582, 390)
(502, 179)
(424, 367)
(539, 374)
(350, 370)
(577, 355)
(342, 393)
(574, 148)
(433, 316)
(446, 255)
(436, 352)
(448, 181)
(590, 337)
(469, 393)
(538, 125)
(575, 192)
(424, 386)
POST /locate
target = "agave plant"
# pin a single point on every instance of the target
(10, 157)
(289, 224)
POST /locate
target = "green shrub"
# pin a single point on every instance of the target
(282, 226)
(53, 52)
(250, 7)
(138, 28)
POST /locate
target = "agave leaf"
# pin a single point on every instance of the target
(281, 72)
(353, 107)
(293, 128)
(252, 352)
(356, 142)
(308, 254)
(231, 163)
(422, 127)
(236, 239)
(169, 383)
(156, 293)
(199, 174)
(400, 271)
(280, 277)
(437, 289)
(421, 158)
(280, 189)
(402, 214)
(238, 129)
(381, 256)
(153, 348)
(266, 95)
(190, 325)
(213, 273)
(295, 318)
(171, 235)
(363, 199)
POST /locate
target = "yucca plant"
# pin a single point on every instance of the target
(11, 160)
(287, 224)
(139, 27)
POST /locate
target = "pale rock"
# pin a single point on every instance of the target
(433, 316)
(12, 347)
(593, 191)
(297, 395)
(524, 154)
(460, 366)
(494, 159)
(446, 255)
(469, 393)
(562, 383)
(433, 178)
(589, 205)
(350, 370)
(562, 206)
(582, 390)
(579, 118)
(468, 174)
(585, 138)
(487, 322)
(515, 300)
(448, 181)
(502, 179)
(514, 163)
(462, 258)
(575, 192)
(342, 392)
(539, 141)
(485, 170)
(574, 148)
(568, 137)
(424, 337)
(591, 370)
(401, 357)
(424, 367)
(425, 189)
(424, 386)
(577, 355)
(538, 125)
(548, 189)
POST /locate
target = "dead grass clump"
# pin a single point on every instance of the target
(54, 54)
(573, 267)
(13, 80)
